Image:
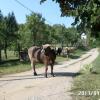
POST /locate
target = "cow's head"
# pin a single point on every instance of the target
(47, 51)
(51, 54)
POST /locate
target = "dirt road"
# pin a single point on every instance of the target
(25, 86)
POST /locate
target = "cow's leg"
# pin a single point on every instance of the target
(35, 74)
(52, 70)
(33, 68)
(46, 69)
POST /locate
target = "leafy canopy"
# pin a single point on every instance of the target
(86, 12)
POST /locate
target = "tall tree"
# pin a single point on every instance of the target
(71, 36)
(10, 31)
(1, 33)
(36, 25)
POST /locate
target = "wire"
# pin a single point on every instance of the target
(24, 6)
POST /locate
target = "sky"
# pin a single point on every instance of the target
(49, 10)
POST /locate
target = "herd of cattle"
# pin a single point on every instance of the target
(65, 51)
(44, 54)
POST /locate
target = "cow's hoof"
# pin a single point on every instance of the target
(46, 76)
(35, 74)
(52, 75)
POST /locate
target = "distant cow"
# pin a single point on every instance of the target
(68, 50)
(23, 55)
(58, 51)
(44, 55)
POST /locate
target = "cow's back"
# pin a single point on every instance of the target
(32, 51)
(37, 54)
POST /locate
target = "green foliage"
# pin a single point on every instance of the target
(38, 33)
(96, 64)
(1, 35)
(34, 32)
(72, 35)
(8, 31)
(86, 13)
(36, 24)
(87, 68)
(1, 28)
(67, 36)
(59, 32)
(94, 42)
(10, 28)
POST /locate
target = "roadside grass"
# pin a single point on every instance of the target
(10, 54)
(13, 65)
(61, 59)
(77, 53)
(87, 84)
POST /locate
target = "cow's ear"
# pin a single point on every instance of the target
(45, 52)
(42, 51)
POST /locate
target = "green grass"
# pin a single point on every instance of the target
(61, 59)
(77, 53)
(9, 68)
(10, 54)
(13, 65)
(88, 81)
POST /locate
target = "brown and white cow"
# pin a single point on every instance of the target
(44, 55)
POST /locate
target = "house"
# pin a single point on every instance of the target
(83, 36)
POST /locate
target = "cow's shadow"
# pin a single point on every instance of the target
(74, 56)
(39, 76)
(21, 77)
(67, 74)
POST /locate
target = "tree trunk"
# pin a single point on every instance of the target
(19, 48)
(62, 44)
(88, 37)
(5, 49)
(0, 56)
